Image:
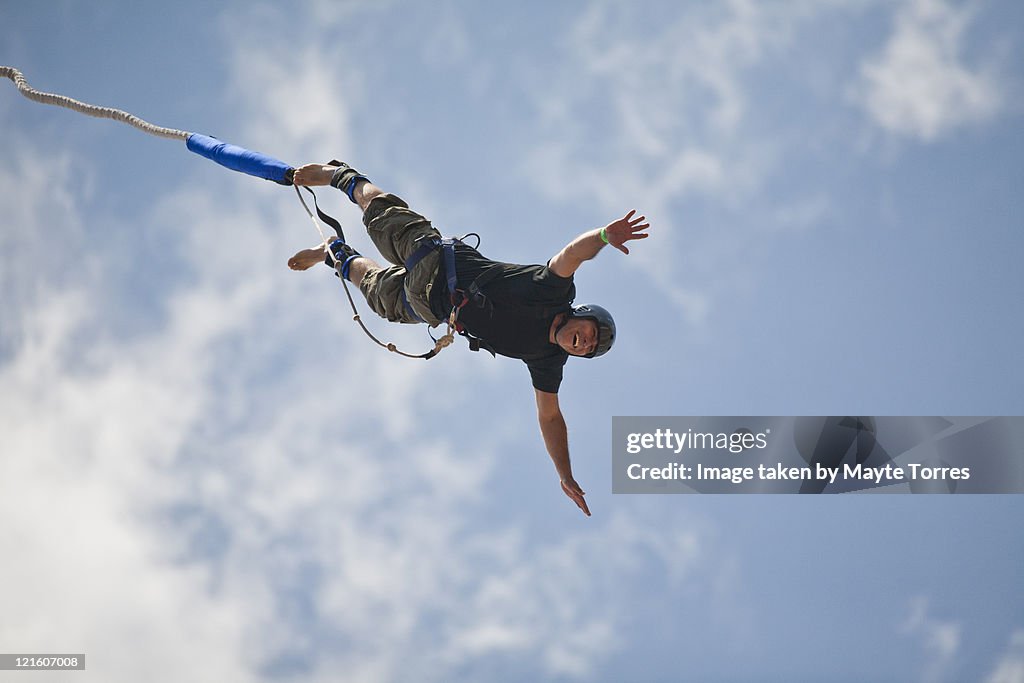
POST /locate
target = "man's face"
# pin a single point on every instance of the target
(578, 337)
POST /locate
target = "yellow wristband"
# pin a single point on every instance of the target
(604, 235)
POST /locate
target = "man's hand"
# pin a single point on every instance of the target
(573, 490)
(311, 175)
(587, 245)
(625, 229)
(556, 440)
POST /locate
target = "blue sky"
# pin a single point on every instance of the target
(207, 472)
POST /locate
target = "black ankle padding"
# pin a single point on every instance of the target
(343, 176)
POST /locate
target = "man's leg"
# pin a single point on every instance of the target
(364, 193)
(307, 258)
(394, 228)
(396, 231)
(382, 287)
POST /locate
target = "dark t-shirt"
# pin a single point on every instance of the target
(522, 302)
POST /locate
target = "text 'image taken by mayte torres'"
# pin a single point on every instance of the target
(813, 455)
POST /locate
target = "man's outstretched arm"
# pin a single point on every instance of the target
(556, 440)
(587, 245)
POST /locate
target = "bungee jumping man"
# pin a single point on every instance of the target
(518, 311)
(523, 312)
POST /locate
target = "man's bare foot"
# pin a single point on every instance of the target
(314, 174)
(307, 258)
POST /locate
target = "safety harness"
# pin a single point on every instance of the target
(458, 297)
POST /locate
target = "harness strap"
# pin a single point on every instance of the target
(448, 249)
(447, 246)
(408, 307)
(475, 290)
(459, 297)
(325, 217)
(421, 252)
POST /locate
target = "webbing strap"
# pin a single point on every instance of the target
(447, 246)
(475, 289)
(325, 217)
(448, 249)
(421, 253)
(459, 298)
(408, 307)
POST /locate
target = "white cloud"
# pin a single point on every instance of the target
(299, 100)
(802, 214)
(86, 428)
(1010, 667)
(52, 188)
(919, 84)
(559, 603)
(939, 638)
